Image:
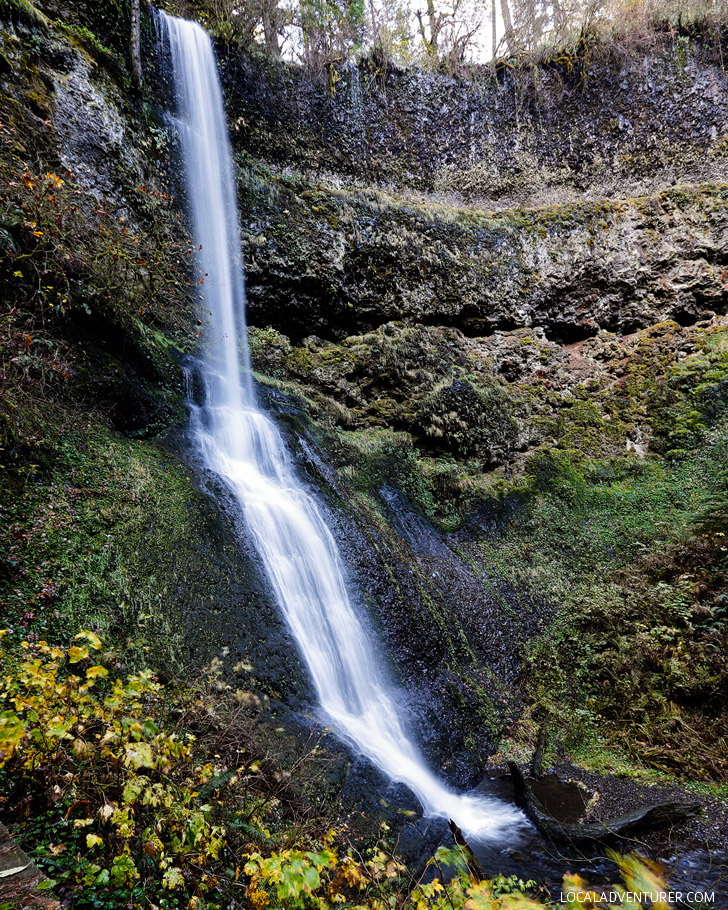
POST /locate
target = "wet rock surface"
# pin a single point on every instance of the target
(564, 800)
(20, 877)
(692, 852)
(453, 640)
(222, 598)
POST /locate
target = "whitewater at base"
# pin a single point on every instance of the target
(244, 447)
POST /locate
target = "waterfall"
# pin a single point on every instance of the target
(243, 446)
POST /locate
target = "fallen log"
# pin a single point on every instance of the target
(641, 819)
(20, 877)
(474, 866)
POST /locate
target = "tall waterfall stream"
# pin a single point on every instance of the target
(243, 446)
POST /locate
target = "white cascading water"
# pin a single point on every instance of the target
(243, 446)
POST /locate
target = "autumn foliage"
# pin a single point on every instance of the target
(128, 808)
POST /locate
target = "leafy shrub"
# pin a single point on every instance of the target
(72, 737)
(470, 421)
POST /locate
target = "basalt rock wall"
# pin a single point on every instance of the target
(608, 121)
(571, 198)
(335, 264)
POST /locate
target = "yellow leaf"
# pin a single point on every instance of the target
(172, 879)
(91, 637)
(139, 755)
(93, 672)
(75, 654)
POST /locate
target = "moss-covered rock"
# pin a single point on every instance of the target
(596, 480)
(339, 262)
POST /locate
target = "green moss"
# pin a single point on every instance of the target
(28, 12)
(639, 610)
(93, 524)
(583, 425)
(469, 420)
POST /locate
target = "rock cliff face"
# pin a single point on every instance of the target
(334, 263)
(601, 122)
(98, 316)
(377, 202)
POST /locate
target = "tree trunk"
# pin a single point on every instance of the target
(435, 26)
(494, 31)
(375, 24)
(136, 54)
(270, 17)
(640, 819)
(435, 22)
(558, 15)
(508, 24)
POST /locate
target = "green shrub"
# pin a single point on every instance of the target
(468, 421)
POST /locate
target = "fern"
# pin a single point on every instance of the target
(712, 515)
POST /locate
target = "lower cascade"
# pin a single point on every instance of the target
(243, 446)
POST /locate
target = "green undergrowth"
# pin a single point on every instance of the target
(632, 558)
(94, 527)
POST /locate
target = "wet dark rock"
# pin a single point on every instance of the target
(458, 669)
(558, 810)
(223, 601)
(566, 801)
(141, 390)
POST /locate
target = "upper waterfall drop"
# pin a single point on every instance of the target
(242, 445)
